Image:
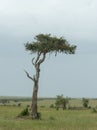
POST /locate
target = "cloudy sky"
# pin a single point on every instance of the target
(70, 75)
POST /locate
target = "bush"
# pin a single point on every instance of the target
(28, 106)
(24, 112)
(85, 102)
(94, 110)
(61, 102)
(51, 118)
(89, 107)
(39, 115)
(42, 106)
(19, 104)
(52, 106)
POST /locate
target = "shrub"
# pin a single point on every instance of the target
(19, 104)
(28, 106)
(52, 106)
(61, 102)
(42, 106)
(85, 102)
(51, 118)
(24, 112)
(38, 115)
(94, 110)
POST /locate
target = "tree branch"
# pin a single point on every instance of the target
(29, 76)
(42, 59)
(33, 61)
(39, 54)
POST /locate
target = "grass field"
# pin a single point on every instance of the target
(51, 118)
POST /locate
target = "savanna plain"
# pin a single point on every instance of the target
(51, 119)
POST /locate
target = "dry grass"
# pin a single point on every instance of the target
(51, 118)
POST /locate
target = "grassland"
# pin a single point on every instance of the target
(51, 118)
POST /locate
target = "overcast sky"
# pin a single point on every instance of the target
(70, 75)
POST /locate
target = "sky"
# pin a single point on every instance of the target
(70, 75)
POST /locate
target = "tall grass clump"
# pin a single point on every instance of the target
(24, 112)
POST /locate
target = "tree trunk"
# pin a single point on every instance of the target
(35, 93)
(40, 59)
(34, 101)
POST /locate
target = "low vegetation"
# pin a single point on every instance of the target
(51, 119)
(85, 102)
(24, 112)
(61, 102)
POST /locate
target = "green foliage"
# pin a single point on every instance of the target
(4, 101)
(61, 102)
(39, 115)
(19, 104)
(51, 120)
(45, 43)
(85, 102)
(24, 112)
(94, 110)
(52, 106)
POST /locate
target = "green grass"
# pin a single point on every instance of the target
(51, 118)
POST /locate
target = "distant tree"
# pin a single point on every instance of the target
(4, 101)
(42, 45)
(85, 102)
(19, 104)
(61, 102)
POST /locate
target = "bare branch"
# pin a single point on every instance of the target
(33, 61)
(39, 54)
(29, 76)
(42, 59)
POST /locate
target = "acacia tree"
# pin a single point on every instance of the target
(42, 45)
(61, 102)
(85, 102)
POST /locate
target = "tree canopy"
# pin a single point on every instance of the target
(45, 43)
